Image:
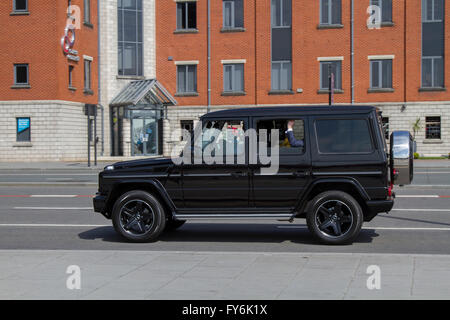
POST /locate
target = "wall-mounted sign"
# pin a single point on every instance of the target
(23, 129)
(68, 42)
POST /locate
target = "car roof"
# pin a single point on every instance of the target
(277, 111)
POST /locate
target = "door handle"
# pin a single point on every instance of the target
(238, 174)
(300, 174)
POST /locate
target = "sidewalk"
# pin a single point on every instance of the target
(214, 275)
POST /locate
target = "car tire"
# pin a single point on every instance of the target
(172, 225)
(138, 216)
(334, 217)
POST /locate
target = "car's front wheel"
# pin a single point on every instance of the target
(335, 217)
(138, 216)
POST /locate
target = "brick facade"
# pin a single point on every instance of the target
(57, 116)
(401, 39)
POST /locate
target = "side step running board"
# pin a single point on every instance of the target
(257, 216)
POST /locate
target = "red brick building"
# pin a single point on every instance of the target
(43, 89)
(275, 52)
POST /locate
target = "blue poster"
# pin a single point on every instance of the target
(23, 124)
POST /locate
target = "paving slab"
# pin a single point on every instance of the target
(217, 275)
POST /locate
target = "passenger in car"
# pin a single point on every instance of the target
(290, 136)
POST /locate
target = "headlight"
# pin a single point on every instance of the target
(109, 168)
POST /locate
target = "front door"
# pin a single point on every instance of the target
(282, 189)
(144, 132)
(221, 179)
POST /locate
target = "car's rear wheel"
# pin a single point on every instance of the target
(138, 216)
(172, 225)
(335, 217)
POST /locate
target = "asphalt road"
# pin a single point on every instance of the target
(53, 210)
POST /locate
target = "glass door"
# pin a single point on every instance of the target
(144, 133)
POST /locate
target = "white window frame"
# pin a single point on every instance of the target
(232, 25)
(425, 4)
(233, 82)
(20, 10)
(380, 73)
(15, 74)
(330, 14)
(432, 58)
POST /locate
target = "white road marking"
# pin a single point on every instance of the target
(47, 174)
(377, 228)
(53, 196)
(423, 210)
(427, 186)
(53, 225)
(53, 208)
(433, 172)
(416, 196)
(280, 227)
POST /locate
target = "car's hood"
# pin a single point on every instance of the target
(143, 163)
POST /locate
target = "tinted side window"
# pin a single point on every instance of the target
(343, 136)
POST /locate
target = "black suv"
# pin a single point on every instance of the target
(329, 165)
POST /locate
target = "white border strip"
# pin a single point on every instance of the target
(188, 62)
(330, 59)
(382, 57)
(234, 61)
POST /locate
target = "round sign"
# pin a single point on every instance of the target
(68, 41)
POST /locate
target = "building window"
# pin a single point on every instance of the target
(433, 43)
(187, 125)
(330, 12)
(432, 10)
(385, 7)
(21, 74)
(385, 123)
(432, 72)
(433, 128)
(326, 69)
(233, 13)
(381, 74)
(87, 75)
(23, 129)
(20, 5)
(281, 75)
(186, 15)
(130, 38)
(233, 77)
(71, 76)
(186, 79)
(87, 11)
(281, 12)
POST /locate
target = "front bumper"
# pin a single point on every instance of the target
(100, 203)
(377, 206)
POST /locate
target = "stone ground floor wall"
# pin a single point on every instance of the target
(401, 117)
(58, 131)
(59, 128)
